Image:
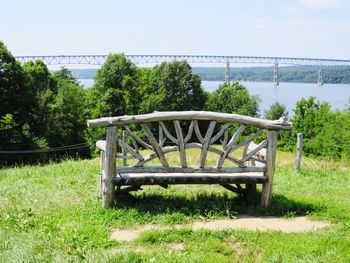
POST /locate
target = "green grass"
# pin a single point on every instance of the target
(53, 213)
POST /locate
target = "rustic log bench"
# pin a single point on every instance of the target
(240, 160)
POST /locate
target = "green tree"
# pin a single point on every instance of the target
(17, 99)
(333, 140)
(276, 111)
(114, 83)
(65, 74)
(44, 88)
(15, 94)
(38, 75)
(68, 112)
(309, 118)
(233, 98)
(172, 87)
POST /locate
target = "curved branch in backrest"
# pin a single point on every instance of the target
(167, 133)
(198, 132)
(181, 143)
(219, 134)
(189, 133)
(138, 139)
(192, 145)
(230, 144)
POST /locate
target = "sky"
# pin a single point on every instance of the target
(291, 28)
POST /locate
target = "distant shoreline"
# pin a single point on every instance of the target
(292, 74)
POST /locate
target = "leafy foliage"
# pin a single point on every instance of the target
(172, 87)
(334, 138)
(233, 98)
(39, 109)
(276, 111)
(114, 83)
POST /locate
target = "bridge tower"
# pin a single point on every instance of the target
(227, 73)
(275, 79)
(320, 77)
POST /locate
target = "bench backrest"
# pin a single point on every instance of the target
(166, 132)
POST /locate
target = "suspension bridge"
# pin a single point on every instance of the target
(197, 59)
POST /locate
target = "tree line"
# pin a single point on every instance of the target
(41, 110)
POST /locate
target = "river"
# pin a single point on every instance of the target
(287, 93)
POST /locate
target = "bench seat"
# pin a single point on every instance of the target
(189, 178)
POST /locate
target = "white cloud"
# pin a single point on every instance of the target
(322, 4)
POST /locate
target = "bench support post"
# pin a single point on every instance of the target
(110, 168)
(270, 168)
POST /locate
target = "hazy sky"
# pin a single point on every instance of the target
(301, 28)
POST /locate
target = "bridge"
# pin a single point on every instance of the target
(197, 59)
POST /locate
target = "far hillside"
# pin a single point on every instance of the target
(302, 74)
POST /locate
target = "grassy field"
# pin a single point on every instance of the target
(53, 213)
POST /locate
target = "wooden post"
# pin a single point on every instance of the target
(299, 151)
(110, 168)
(270, 168)
(102, 168)
(123, 150)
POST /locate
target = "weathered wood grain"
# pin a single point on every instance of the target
(154, 144)
(181, 143)
(250, 154)
(270, 168)
(244, 142)
(189, 178)
(220, 133)
(138, 139)
(129, 149)
(189, 133)
(206, 143)
(194, 169)
(228, 147)
(191, 115)
(124, 138)
(198, 132)
(110, 168)
(167, 133)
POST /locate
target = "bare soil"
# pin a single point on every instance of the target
(295, 224)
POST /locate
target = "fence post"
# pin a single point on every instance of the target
(299, 151)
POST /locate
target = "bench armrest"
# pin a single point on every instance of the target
(101, 144)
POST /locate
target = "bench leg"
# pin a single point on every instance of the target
(266, 195)
(250, 188)
(110, 168)
(102, 168)
(270, 168)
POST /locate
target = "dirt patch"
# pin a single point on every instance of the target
(296, 224)
(235, 246)
(131, 234)
(176, 246)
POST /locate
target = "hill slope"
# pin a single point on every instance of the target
(53, 213)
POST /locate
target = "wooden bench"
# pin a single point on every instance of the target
(239, 159)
